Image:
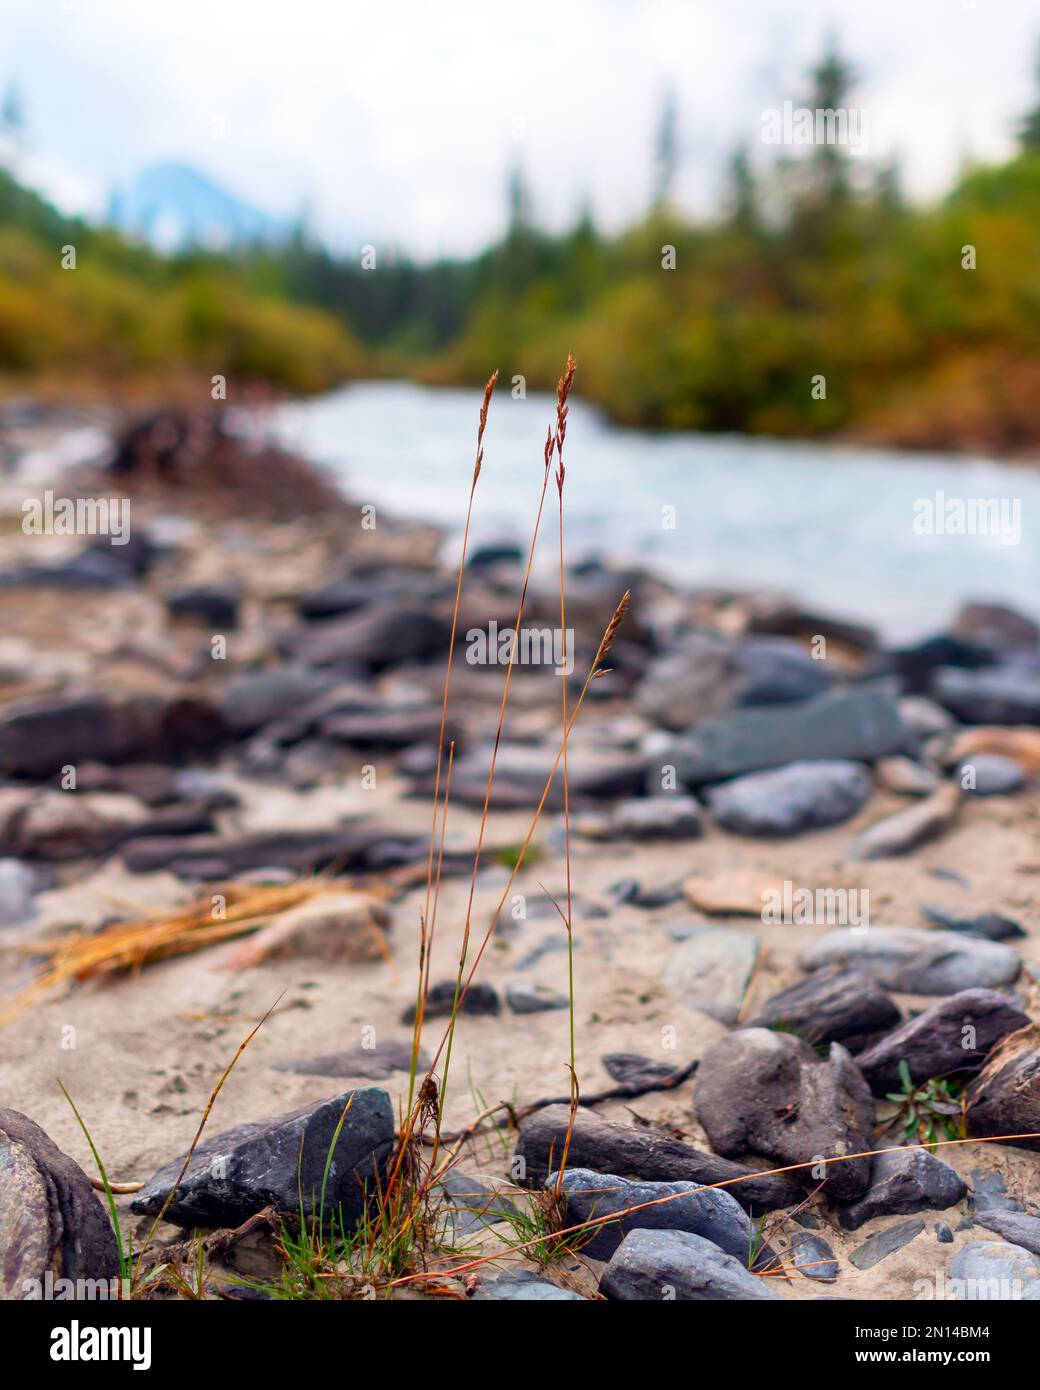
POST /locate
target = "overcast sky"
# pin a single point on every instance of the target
(396, 121)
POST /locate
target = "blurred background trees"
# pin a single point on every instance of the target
(813, 264)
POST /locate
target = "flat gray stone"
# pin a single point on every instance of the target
(885, 1243)
(710, 971)
(914, 961)
(990, 774)
(991, 925)
(906, 830)
(526, 997)
(522, 1286)
(992, 695)
(668, 817)
(678, 1265)
(790, 800)
(813, 1257)
(985, 1271)
(674, 1206)
(375, 1063)
(859, 725)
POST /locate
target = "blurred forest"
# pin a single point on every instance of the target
(816, 265)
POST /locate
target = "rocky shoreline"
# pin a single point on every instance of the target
(804, 864)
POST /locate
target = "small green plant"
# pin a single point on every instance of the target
(928, 1110)
(512, 856)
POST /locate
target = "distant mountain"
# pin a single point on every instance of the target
(174, 205)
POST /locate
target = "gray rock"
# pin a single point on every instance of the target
(676, 1206)
(632, 1069)
(988, 924)
(479, 999)
(658, 818)
(709, 675)
(54, 826)
(932, 1044)
(521, 1286)
(992, 1270)
(904, 1181)
(996, 626)
(813, 1257)
(990, 774)
(526, 997)
(943, 1234)
(991, 1193)
(903, 776)
(271, 1162)
(769, 1093)
(678, 1265)
(887, 1242)
(521, 774)
(789, 800)
(255, 698)
(354, 846)
(829, 1006)
(388, 728)
(650, 897)
(51, 1220)
(216, 608)
(549, 946)
(359, 589)
(710, 971)
(1005, 1097)
(1015, 1226)
(380, 635)
(374, 1063)
(634, 1151)
(916, 665)
(41, 735)
(993, 695)
(859, 725)
(906, 830)
(914, 961)
(924, 718)
(17, 885)
(468, 1204)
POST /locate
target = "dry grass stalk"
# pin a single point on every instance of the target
(131, 945)
(562, 392)
(425, 943)
(467, 925)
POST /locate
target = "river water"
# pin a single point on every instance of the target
(858, 531)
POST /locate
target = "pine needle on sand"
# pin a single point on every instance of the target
(131, 945)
